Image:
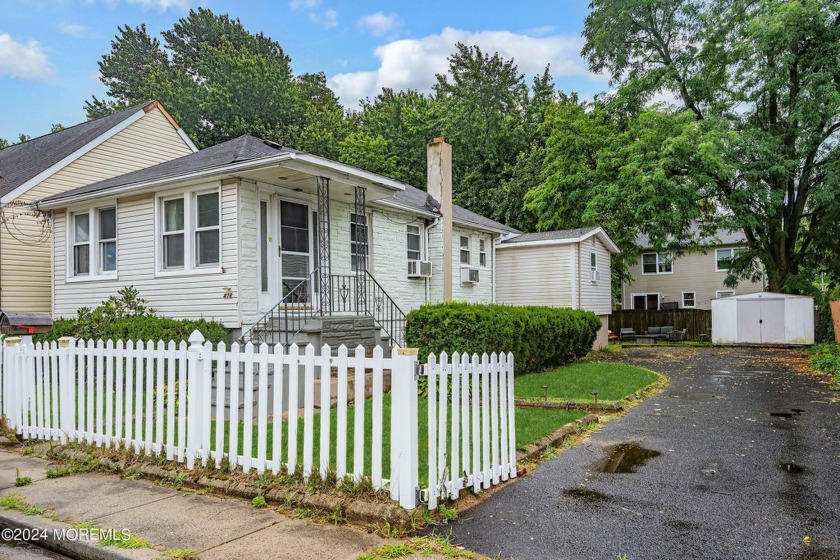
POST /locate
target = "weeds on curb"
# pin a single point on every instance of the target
(180, 554)
(420, 546)
(21, 480)
(15, 501)
(258, 502)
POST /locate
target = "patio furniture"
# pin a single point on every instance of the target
(660, 333)
(627, 334)
(676, 335)
(647, 338)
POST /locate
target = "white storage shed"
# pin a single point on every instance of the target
(763, 318)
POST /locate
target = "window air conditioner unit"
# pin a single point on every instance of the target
(419, 269)
(595, 275)
(469, 275)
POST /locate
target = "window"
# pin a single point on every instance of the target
(358, 235)
(657, 263)
(190, 231)
(81, 244)
(264, 246)
(466, 256)
(412, 235)
(107, 239)
(724, 293)
(173, 233)
(482, 253)
(646, 301)
(724, 258)
(689, 299)
(93, 243)
(593, 266)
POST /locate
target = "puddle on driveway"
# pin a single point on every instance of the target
(625, 458)
(788, 415)
(792, 468)
(585, 494)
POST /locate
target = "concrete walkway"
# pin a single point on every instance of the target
(737, 459)
(215, 527)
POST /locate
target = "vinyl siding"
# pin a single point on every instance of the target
(594, 296)
(212, 296)
(25, 253)
(535, 275)
(694, 272)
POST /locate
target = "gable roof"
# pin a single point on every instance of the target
(560, 237)
(21, 163)
(246, 149)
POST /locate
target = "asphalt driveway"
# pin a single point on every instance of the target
(738, 458)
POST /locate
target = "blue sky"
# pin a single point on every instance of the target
(49, 49)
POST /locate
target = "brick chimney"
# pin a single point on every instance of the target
(439, 186)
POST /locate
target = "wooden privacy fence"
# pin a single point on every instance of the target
(695, 321)
(273, 409)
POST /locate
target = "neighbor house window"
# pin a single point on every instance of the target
(593, 266)
(107, 239)
(724, 293)
(689, 299)
(466, 256)
(646, 301)
(81, 244)
(207, 230)
(190, 231)
(724, 258)
(359, 242)
(93, 240)
(482, 253)
(412, 236)
(657, 263)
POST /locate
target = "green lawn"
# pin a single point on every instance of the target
(576, 382)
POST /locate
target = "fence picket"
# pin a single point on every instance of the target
(129, 392)
(465, 415)
(359, 414)
(139, 397)
(38, 401)
(109, 392)
(181, 399)
(503, 417)
(511, 418)
(149, 396)
(432, 369)
(443, 382)
(494, 416)
(171, 400)
(485, 421)
(476, 438)
(341, 415)
(455, 436)
(56, 403)
(325, 379)
(248, 409)
(81, 390)
(119, 372)
(308, 407)
(294, 375)
(277, 413)
(233, 447)
(221, 383)
(262, 409)
(160, 374)
(376, 420)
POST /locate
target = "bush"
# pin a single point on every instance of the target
(539, 337)
(826, 357)
(127, 317)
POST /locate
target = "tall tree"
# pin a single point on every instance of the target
(759, 81)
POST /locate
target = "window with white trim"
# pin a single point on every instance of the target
(689, 299)
(724, 258)
(646, 301)
(482, 253)
(190, 231)
(412, 237)
(466, 254)
(363, 234)
(593, 266)
(657, 263)
(93, 243)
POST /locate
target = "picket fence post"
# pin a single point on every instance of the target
(196, 379)
(13, 385)
(66, 387)
(404, 451)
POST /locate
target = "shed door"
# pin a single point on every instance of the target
(773, 321)
(749, 321)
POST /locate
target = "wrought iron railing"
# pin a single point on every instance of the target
(351, 293)
(363, 295)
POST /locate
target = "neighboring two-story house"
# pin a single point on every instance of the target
(691, 281)
(137, 137)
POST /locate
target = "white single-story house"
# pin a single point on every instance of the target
(280, 245)
(567, 268)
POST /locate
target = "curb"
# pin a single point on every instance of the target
(534, 450)
(616, 406)
(355, 511)
(77, 549)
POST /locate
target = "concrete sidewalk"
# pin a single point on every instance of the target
(215, 527)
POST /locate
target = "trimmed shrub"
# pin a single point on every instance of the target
(127, 317)
(539, 337)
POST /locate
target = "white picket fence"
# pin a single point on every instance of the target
(183, 401)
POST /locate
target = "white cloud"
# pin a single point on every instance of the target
(20, 60)
(162, 5)
(304, 4)
(328, 18)
(413, 63)
(379, 23)
(74, 29)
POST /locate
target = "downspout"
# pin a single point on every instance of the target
(493, 266)
(426, 228)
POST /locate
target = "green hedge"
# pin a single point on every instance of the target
(142, 328)
(826, 357)
(539, 337)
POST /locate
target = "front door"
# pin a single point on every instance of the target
(295, 251)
